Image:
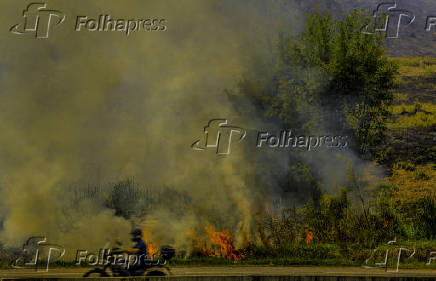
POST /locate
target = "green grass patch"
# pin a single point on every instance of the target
(421, 175)
(416, 66)
(398, 97)
(404, 177)
(312, 255)
(418, 120)
(418, 115)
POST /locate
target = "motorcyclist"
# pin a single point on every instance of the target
(139, 249)
(140, 266)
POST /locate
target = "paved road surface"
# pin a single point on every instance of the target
(237, 271)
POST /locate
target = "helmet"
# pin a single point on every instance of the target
(137, 233)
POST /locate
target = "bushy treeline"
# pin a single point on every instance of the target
(337, 233)
(130, 199)
(337, 221)
(329, 77)
(332, 77)
(346, 218)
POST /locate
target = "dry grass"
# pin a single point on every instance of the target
(418, 120)
(398, 97)
(416, 66)
(418, 115)
(412, 184)
(405, 108)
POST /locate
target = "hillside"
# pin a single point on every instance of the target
(412, 128)
(410, 148)
(413, 39)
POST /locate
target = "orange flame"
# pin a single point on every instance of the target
(309, 237)
(222, 245)
(152, 248)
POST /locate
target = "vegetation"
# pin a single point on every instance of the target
(331, 76)
(418, 115)
(331, 67)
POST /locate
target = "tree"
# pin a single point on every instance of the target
(331, 76)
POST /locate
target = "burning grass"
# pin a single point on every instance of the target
(152, 247)
(220, 244)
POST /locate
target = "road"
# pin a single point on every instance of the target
(238, 271)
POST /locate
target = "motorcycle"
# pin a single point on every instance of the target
(112, 269)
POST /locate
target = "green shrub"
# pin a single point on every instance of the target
(426, 220)
(421, 175)
(408, 166)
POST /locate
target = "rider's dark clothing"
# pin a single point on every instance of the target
(139, 267)
(142, 248)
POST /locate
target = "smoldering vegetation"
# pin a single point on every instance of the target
(97, 139)
(97, 108)
(130, 199)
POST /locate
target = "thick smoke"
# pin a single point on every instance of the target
(94, 107)
(91, 107)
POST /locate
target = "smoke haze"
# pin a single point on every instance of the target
(97, 107)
